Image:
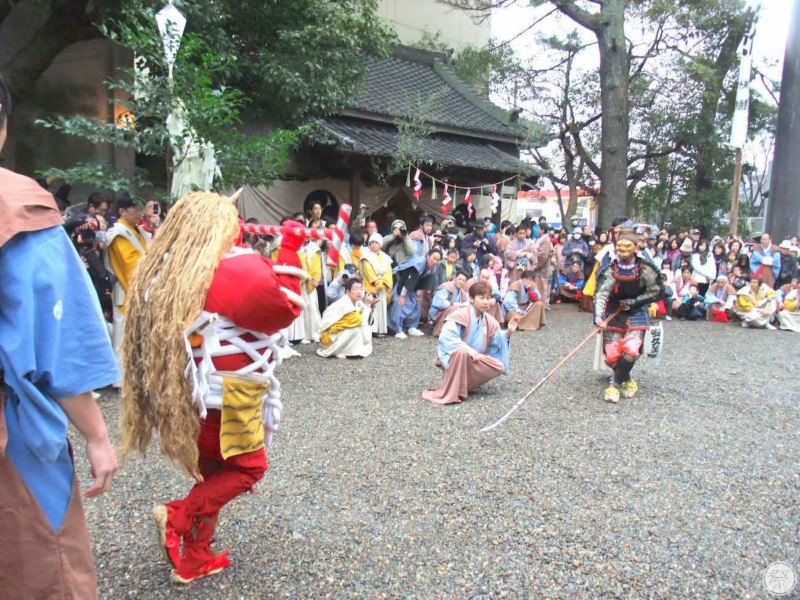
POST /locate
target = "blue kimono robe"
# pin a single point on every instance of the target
(757, 259)
(408, 315)
(53, 343)
(451, 340)
(443, 300)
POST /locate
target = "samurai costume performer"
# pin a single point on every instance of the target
(53, 344)
(628, 284)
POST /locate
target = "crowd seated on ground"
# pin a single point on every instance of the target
(410, 279)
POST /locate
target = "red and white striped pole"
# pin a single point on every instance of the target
(335, 235)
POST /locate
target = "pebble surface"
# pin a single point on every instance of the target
(689, 490)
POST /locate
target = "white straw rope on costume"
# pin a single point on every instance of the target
(264, 352)
(290, 270)
(294, 298)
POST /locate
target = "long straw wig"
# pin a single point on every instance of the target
(167, 295)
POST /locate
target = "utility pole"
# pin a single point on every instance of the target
(737, 183)
(783, 218)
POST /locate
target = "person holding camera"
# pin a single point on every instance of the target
(97, 207)
(151, 219)
(84, 230)
(335, 288)
(376, 269)
(418, 273)
(346, 327)
(397, 244)
(478, 241)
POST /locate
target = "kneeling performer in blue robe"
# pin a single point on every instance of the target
(472, 349)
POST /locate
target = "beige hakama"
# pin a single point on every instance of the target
(438, 322)
(467, 370)
(38, 562)
(534, 317)
(463, 376)
(496, 312)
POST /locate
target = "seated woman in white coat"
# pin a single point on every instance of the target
(346, 328)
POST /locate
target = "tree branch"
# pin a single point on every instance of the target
(590, 21)
(593, 167)
(651, 50)
(770, 86)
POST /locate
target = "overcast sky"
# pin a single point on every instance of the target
(770, 40)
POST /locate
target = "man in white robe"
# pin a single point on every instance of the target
(346, 329)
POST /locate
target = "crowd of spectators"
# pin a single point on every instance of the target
(404, 281)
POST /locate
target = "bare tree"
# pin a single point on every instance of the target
(607, 23)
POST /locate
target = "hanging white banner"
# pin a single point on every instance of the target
(741, 113)
(171, 24)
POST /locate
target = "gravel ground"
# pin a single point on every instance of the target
(687, 491)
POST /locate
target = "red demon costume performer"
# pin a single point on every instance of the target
(230, 396)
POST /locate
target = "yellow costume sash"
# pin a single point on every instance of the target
(242, 428)
(349, 321)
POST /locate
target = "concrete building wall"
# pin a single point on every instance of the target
(411, 18)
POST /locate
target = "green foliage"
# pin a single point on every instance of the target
(100, 176)
(297, 58)
(412, 133)
(267, 61)
(494, 68)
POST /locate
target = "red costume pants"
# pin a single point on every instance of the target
(196, 515)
